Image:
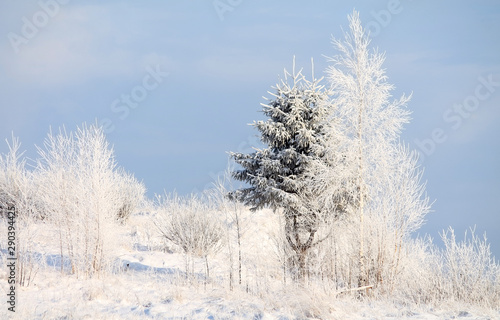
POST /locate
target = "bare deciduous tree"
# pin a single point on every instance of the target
(232, 210)
(83, 195)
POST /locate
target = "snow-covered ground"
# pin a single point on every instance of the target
(149, 282)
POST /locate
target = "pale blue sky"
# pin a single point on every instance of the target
(79, 60)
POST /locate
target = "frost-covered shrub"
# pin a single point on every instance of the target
(82, 194)
(18, 195)
(464, 271)
(191, 224)
(130, 193)
(16, 182)
(470, 272)
(419, 274)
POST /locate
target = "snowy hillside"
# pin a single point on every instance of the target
(149, 283)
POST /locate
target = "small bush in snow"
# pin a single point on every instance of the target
(191, 225)
(130, 193)
(470, 272)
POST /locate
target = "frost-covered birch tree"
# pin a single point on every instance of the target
(363, 148)
(276, 174)
(83, 194)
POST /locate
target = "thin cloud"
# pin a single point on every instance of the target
(82, 44)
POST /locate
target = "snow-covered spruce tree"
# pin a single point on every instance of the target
(276, 174)
(364, 145)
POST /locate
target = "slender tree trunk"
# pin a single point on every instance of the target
(284, 263)
(96, 264)
(186, 261)
(335, 264)
(231, 259)
(238, 234)
(61, 246)
(362, 266)
(302, 255)
(208, 271)
(300, 248)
